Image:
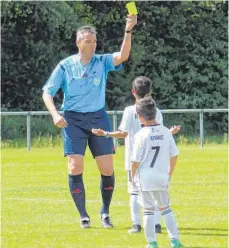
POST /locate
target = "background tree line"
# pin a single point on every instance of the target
(181, 46)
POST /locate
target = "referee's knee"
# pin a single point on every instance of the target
(107, 173)
(75, 164)
(105, 164)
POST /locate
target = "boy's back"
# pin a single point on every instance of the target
(153, 147)
(131, 124)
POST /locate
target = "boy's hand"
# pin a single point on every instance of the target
(175, 129)
(98, 132)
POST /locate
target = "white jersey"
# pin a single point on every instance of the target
(131, 124)
(153, 148)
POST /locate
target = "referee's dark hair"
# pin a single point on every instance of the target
(80, 31)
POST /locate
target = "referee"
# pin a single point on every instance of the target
(82, 78)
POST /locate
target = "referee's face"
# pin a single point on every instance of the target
(87, 45)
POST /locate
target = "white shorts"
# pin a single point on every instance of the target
(152, 199)
(131, 188)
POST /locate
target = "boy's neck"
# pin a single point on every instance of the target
(137, 99)
(150, 123)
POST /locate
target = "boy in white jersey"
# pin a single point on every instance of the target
(129, 126)
(154, 159)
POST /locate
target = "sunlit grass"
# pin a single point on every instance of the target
(37, 209)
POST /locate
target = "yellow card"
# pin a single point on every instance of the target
(132, 8)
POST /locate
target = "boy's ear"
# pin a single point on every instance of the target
(78, 43)
(133, 91)
(140, 119)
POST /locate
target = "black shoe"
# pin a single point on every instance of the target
(106, 221)
(85, 222)
(158, 228)
(135, 229)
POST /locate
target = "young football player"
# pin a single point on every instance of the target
(129, 126)
(153, 159)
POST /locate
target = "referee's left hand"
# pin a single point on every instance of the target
(131, 21)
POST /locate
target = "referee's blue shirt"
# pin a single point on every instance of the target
(83, 86)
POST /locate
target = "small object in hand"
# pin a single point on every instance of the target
(132, 10)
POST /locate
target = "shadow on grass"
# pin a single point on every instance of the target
(189, 230)
(197, 246)
(204, 231)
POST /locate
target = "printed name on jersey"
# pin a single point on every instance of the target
(157, 137)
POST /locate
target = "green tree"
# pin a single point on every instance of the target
(181, 46)
(35, 37)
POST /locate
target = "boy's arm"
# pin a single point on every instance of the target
(133, 170)
(173, 161)
(116, 134)
(173, 155)
(137, 154)
(123, 128)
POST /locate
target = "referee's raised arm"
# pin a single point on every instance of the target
(124, 53)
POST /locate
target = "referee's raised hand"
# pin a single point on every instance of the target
(131, 21)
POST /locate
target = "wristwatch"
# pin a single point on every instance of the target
(106, 135)
(129, 31)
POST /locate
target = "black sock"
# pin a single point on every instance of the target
(107, 188)
(76, 187)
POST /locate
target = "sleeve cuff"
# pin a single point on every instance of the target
(118, 67)
(48, 91)
(123, 129)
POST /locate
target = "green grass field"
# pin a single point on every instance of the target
(37, 209)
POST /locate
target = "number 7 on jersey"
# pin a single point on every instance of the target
(157, 148)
